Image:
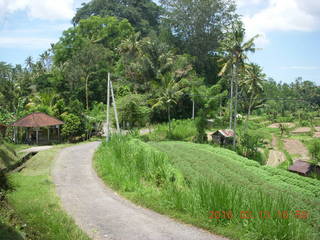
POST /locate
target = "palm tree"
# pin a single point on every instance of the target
(235, 50)
(171, 92)
(253, 83)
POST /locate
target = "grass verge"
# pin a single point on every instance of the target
(35, 203)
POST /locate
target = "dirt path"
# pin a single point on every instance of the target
(296, 147)
(102, 213)
(275, 157)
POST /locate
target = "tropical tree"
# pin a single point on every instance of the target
(170, 92)
(253, 86)
(235, 49)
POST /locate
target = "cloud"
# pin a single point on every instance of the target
(300, 68)
(281, 15)
(40, 9)
(26, 42)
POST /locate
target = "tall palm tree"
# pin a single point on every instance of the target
(235, 49)
(253, 83)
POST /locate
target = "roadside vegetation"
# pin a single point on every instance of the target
(30, 208)
(187, 181)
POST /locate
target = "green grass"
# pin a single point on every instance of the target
(8, 156)
(35, 203)
(186, 181)
(183, 130)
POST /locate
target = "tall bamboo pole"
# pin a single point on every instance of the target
(108, 103)
(114, 107)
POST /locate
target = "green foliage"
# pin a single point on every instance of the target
(143, 16)
(249, 145)
(197, 29)
(133, 110)
(71, 127)
(201, 125)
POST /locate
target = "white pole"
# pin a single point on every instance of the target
(114, 107)
(108, 103)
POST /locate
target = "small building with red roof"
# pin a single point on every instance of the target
(36, 124)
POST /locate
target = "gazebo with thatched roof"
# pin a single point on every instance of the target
(34, 122)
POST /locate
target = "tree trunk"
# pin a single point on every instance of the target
(248, 114)
(192, 108)
(231, 98)
(87, 94)
(235, 112)
(169, 119)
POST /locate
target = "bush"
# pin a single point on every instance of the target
(71, 127)
(201, 125)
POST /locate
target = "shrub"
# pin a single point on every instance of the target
(71, 127)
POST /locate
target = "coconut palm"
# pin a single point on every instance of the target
(235, 51)
(253, 84)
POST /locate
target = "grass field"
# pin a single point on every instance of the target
(34, 203)
(187, 181)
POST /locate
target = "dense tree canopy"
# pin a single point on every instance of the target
(142, 14)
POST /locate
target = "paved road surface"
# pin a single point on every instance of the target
(102, 213)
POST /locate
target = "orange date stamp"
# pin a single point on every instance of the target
(280, 214)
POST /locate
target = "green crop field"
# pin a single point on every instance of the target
(188, 181)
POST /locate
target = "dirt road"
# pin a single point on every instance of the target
(102, 213)
(276, 157)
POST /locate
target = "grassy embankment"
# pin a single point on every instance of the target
(190, 180)
(32, 207)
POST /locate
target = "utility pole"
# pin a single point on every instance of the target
(114, 108)
(108, 104)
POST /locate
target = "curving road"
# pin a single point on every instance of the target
(101, 213)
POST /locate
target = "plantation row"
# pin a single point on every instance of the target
(301, 184)
(187, 190)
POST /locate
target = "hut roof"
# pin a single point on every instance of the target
(37, 120)
(300, 166)
(225, 132)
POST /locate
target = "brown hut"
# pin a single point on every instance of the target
(223, 137)
(36, 125)
(304, 168)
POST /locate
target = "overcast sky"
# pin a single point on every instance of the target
(289, 29)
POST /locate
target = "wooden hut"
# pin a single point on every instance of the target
(304, 168)
(40, 128)
(223, 137)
